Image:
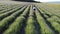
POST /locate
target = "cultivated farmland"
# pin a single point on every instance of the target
(20, 18)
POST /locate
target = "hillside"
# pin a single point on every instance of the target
(20, 18)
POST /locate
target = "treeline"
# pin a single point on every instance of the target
(26, 0)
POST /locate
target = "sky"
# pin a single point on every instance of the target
(47, 0)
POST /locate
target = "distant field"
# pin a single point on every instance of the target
(54, 5)
(20, 18)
